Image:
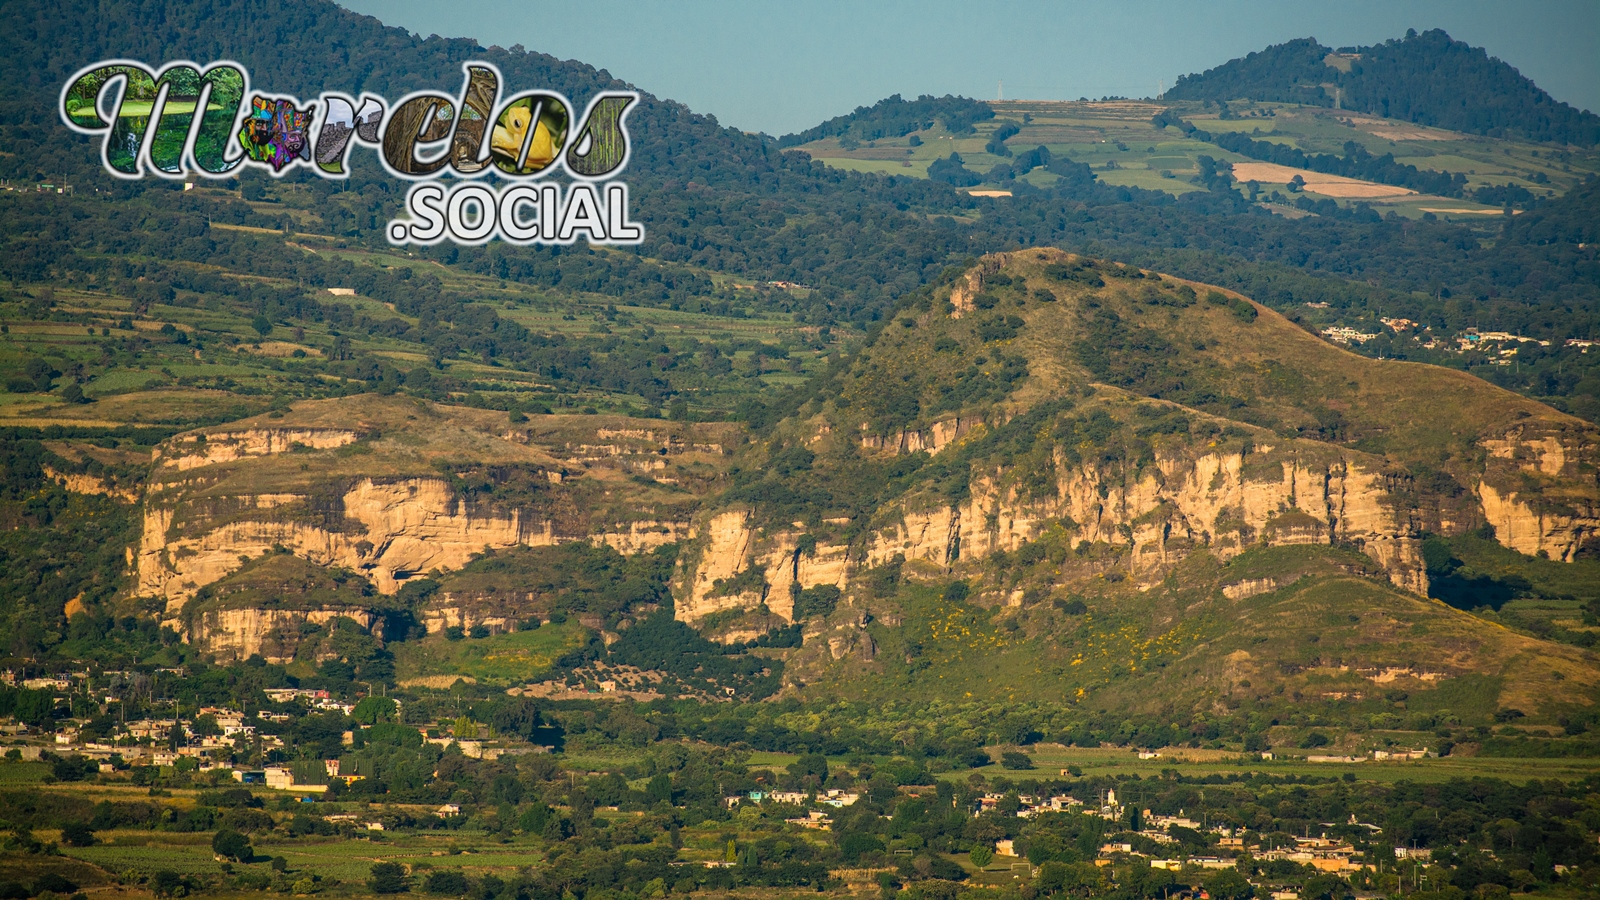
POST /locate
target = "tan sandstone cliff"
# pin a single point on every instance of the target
(393, 489)
(1291, 495)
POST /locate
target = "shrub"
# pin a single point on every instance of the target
(447, 881)
(230, 844)
(1016, 761)
(387, 878)
(167, 883)
(1313, 740)
(54, 883)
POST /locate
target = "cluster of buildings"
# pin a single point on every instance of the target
(320, 700)
(1321, 852)
(834, 798)
(1500, 344)
(1340, 334)
(1495, 343)
(42, 187)
(814, 819)
(1375, 755)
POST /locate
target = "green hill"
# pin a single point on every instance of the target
(1085, 483)
(1425, 78)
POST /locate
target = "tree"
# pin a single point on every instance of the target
(1228, 884)
(982, 855)
(34, 707)
(388, 878)
(262, 325)
(810, 764)
(167, 883)
(77, 834)
(447, 881)
(230, 844)
(855, 843)
(1052, 877)
(1325, 887)
(1014, 760)
(372, 710)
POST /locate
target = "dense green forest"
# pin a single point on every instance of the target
(895, 116)
(716, 199)
(1425, 78)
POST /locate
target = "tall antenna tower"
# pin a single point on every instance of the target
(1000, 90)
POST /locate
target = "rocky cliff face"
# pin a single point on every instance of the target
(392, 530)
(229, 635)
(195, 450)
(1269, 494)
(1533, 490)
(393, 490)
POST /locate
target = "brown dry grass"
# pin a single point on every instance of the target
(1316, 182)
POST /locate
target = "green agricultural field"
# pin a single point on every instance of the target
(14, 772)
(503, 659)
(1117, 141)
(348, 861)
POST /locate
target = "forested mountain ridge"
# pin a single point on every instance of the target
(896, 117)
(1425, 78)
(717, 199)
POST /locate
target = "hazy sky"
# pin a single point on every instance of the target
(782, 67)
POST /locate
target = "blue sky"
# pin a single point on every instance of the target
(782, 67)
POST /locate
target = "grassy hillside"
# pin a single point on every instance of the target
(1329, 644)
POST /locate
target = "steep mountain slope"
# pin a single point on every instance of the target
(1062, 430)
(1425, 78)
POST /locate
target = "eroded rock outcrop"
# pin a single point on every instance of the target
(390, 531)
(229, 635)
(201, 449)
(1300, 493)
(392, 489)
(1533, 493)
